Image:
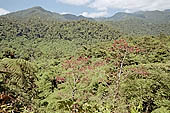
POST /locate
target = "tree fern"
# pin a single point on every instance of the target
(18, 78)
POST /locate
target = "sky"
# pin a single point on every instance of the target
(87, 8)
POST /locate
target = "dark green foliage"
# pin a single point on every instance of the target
(138, 27)
(81, 67)
(144, 85)
(150, 91)
(33, 38)
(141, 23)
(18, 80)
(36, 28)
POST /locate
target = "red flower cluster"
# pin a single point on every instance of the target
(81, 64)
(123, 45)
(73, 62)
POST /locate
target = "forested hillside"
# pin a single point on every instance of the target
(133, 27)
(78, 65)
(141, 23)
(39, 12)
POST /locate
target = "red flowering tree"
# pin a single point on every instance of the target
(78, 72)
(118, 60)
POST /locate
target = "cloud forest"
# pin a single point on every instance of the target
(63, 63)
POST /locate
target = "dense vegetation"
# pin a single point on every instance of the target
(138, 27)
(84, 66)
(141, 23)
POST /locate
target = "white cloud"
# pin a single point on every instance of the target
(95, 14)
(75, 2)
(63, 13)
(130, 5)
(3, 11)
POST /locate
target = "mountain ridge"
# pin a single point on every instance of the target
(149, 16)
(40, 12)
(141, 22)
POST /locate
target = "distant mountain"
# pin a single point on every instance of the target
(148, 16)
(141, 23)
(39, 12)
(167, 10)
(74, 17)
(34, 12)
(123, 16)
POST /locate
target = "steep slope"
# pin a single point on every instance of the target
(39, 12)
(43, 36)
(156, 16)
(123, 16)
(138, 23)
(142, 22)
(68, 30)
(35, 12)
(148, 16)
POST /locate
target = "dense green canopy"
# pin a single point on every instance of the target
(82, 66)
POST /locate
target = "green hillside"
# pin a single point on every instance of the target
(141, 23)
(39, 12)
(78, 33)
(73, 64)
(138, 23)
(148, 16)
(140, 27)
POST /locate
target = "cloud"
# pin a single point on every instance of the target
(95, 14)
(63, 13)
(103, 7)
(3, 11)
(75, 2)
(130, 5)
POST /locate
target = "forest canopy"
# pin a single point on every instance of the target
(83, 66)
